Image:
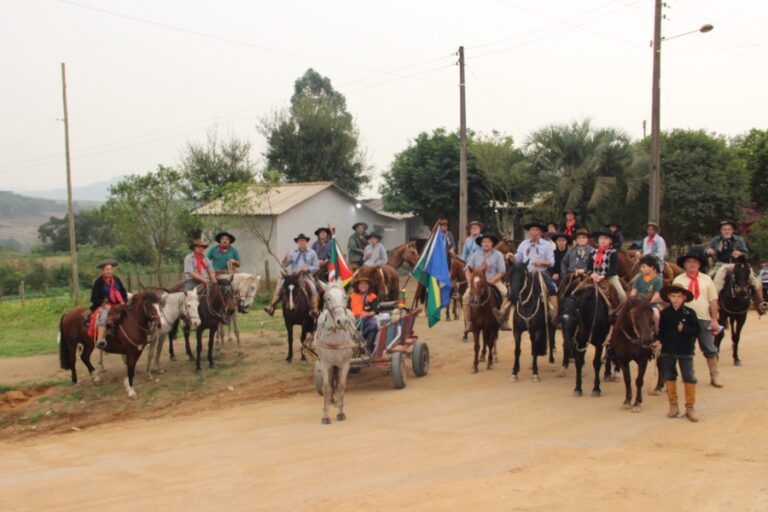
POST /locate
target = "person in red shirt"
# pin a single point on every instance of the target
(364, 305)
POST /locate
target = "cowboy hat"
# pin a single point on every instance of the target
(483, 236)
(550, 223)
(651, 223)
(318, 230)
(224, 233)
(108, 261)
(618, 226)
(560, 234)
(359, 280)
(604, 232)
(443, 221)
(694, 252)
(300, 237)
(196, 242)
(475, 223)
(728, 223)
(581, 232)
(374, 234)
(675, 288)
(535, 224)
(354, 226)
(570, 210)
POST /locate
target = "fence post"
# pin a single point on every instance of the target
(266, 274)
(21, 292)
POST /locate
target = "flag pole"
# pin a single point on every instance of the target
(407, 279)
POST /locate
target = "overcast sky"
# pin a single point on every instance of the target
(146, 76)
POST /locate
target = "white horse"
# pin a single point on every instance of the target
(246, 287)
(334, 343)
(172, 307)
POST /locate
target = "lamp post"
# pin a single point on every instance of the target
(654, 181)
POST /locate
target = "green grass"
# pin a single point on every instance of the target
(32, 329)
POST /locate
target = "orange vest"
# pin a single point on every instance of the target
(357, 304)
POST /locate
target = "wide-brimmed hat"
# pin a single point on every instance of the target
(483, 236)
(359, 280)
(301, 236)
(196, 242)
(675, 288)
(354, 226)
(694, 252)
(604, 232)
(618, 226)
(440, 222)
(535, 224)
(571, 210)
(374, 234)
(727, 222)
(108, 261)
(224, 233)
(581, 231)
(318, 230)
(560, 234)
(651, 223)
(475, 223)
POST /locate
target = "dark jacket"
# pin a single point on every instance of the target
(723, 248)
(564, 228)
(609, 266)
(556, 268)
(618, 240)
(100, 292)
(674, 342)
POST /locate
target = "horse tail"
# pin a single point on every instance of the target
(65, 356)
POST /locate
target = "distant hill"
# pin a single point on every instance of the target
(94, 192)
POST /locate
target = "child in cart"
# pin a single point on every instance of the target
(364, 305)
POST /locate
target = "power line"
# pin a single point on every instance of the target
(493, 98)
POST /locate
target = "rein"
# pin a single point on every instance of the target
(734, 296)
(138, 346)
(221, 315)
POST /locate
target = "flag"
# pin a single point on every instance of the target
(337, 267)
(432, 272)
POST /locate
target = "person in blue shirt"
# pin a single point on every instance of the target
(223, 252)
(470, 245)
(493, 261)
(302, 262)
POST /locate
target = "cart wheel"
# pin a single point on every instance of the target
(397, 367)
(420, 359)
(318, 379)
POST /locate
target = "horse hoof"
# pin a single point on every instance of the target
(535, 378)
(514, 378)
(637, 408)
(655, 392)
(288, 360)
(561, 372)
(198, 371)
(173, 358)
(210, 364)
(304, 360)
(96, 379)
(241, 353)
(596, 393)
(132, 394)
(577, 393)
(326, 421)
(609, 377)
(737, 362)
(341, 416)
(475, 370)
(626, 406)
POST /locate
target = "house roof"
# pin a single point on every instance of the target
(377, 205)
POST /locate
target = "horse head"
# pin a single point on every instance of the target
(477, 286)
(246, 291)
(190, 307)
(641, 320)
(224, 293)
(516, 278)
(150, 307)
(411, 253)
(290, 285)
(569, 320)
(335, 302)
(739, 279)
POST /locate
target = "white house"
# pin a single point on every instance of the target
(286, 210)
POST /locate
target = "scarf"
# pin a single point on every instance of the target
(569, 225)
(600, 255)
(114, 295)
(222, 251)
(693, 285)
(651, 240)
(200, 260)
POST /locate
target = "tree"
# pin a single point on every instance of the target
(151, 214)
(758, 239)
(208, 168)
(752, 150)
(91, 228)
(316, 138)
(424, 179)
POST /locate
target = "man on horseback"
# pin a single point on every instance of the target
(222, 254)
(726, 248)
(357, 244)
(107, 291)
(470, 244)
(570, 225)
(604, 262)
(654, 244)
(561, 242)
(450, 243)
(577, 257)
(322, 247)
(374, 253)
(197, 268)
(363, 303)
(618, 238)
(492, 260)
(303, 263)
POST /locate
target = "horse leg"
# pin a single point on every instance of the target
(151, 349)
(736, 325)
(476, 335)
(516, 367)
(101, 361)
(85, 357)
(496, 348)
(627, 385)
(537, 341)
(171, 336)
(302, 339)
(552, 333)
(341, 387)
(289, 357)
(596, 362)
(130, 362)
(186, 344)
(158, 351)
(211, 338)
(199, 337)
(641, 366)
(535, 368)
(325, 370)
(579, 367)
(488, 339)
(236, 328)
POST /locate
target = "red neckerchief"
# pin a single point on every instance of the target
(222, 251)
(693, 285)
(201, 264)
(651, 240)
(600, 255)
(569, 225)
(114, 295)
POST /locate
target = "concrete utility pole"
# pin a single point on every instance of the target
(70, 212)
(462, 152)
(654, 185)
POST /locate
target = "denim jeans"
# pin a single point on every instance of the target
(669, 363)
(707, 340)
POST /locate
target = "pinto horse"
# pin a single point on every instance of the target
(632, 336)
(483, 299)
(297, 308)
(132, 323)
(734, 301)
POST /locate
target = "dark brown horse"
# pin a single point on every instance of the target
(631, 340)
(384, 281)
(458, 288)
(483, 299)
(130, 325)
(297, 306)
(734, 301)
(405, 253)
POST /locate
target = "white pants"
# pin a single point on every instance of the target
(614, 280)
(306, 278)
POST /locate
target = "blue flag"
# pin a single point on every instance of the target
(438, 279)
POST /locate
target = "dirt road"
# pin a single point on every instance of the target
(450, 441)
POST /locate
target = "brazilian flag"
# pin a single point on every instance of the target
(432, 272)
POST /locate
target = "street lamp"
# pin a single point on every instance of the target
(654, 181)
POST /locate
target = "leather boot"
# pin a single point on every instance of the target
(315, 300)
(502, 315)
(690, 399)
(714, 374)
(270, 310)
(101, 336)
(674, 410)
(467, 321)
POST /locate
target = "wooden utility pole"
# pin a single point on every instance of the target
(70, 212)
(462, 152)
(654, 185)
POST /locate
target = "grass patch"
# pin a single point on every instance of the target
(35, 384)
(32, 329)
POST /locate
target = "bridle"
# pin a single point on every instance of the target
(222, 314)
(478, 299)
(153, 322)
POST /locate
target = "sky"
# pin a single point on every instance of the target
(146, 77)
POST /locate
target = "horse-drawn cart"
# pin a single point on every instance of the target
(395, 342)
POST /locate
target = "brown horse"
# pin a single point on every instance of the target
(458, 288)
(630, 341)
(403, 253)
(483, 299)
(384, 279)
(297, 308)
(131, 325)
(505, 246)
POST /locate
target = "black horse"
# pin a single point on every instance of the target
(527, 292)
(734, 301)
(297, 306)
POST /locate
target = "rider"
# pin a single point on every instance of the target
(322, 247)
(561, 241)
(303, 262)
(654, 244)
(363, 303)
(107, 291)
(603, 263)
(577, 257)
(648, 283)
(357, 243)
(570, 225)
(375, 253)
(470, 245)
(549, 234)
(727, 247)
(618, 238)
(493, 262)
(197, 268)
(222, 253)
(450, 243)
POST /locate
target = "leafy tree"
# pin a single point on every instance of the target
(758, 239)
(91, 228)
(208, 168)
(752, 150)
(151, 214)
(316, 138)
(424, 179)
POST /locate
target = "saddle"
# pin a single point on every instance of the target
(606, 290)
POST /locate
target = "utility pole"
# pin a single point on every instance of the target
(645, 134)
(654, 192)
(70, 212)
(462, 151)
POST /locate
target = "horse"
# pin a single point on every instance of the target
(296, 311)
(334, 345)
(132, 323)
(734, 301)
(384, 281)
(505, 246)
(482, 301)
(458, 288)
(217, 305)
(172, 307)
(632, 336)
(403, 253)
(246, 287)
(527, 291)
